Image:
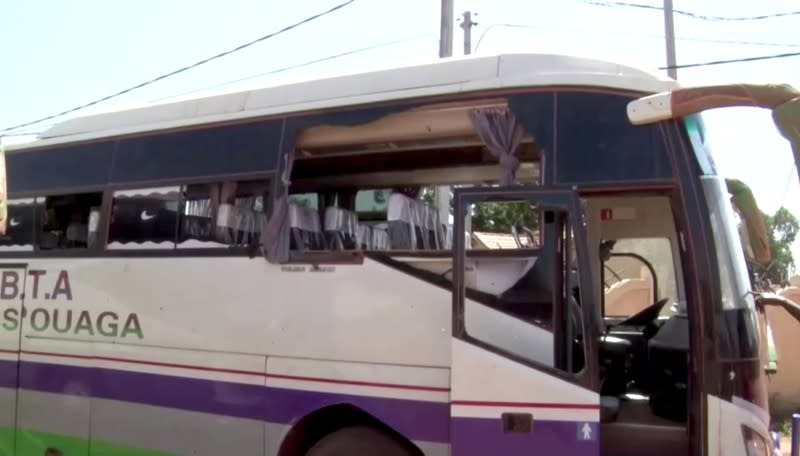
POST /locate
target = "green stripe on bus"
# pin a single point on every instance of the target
(34, 443)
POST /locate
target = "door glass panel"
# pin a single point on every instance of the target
(521, 283)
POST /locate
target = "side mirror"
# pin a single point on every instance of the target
(772, 351)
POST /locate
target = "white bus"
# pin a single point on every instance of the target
(421, 260)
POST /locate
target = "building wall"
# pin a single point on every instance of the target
(784, 387)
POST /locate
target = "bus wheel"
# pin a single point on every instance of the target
(358, 440)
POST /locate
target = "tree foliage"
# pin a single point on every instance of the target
(499, 217)
(782, 229)
(494, 217)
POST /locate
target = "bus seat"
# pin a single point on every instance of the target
(403, 217)
(668, 352)
(248, 225)
(77, 233)
(93, 227)
(432, 234)
(364, 237)
(422, 226)
(237, 225)
(226, 223)
(341, 229)
(304, 225)
(609, 408)
(447, 236)
(197, 222)
(380, 237)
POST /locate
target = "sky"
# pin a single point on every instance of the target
(57, 55)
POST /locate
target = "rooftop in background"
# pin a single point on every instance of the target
(453, 75)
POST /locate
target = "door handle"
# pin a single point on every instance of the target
(517, 422)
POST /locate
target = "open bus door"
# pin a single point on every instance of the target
(523, 377)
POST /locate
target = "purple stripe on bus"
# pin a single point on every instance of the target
(8, 374)
(417, 420)
(486, 436)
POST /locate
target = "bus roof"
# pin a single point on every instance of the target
(452, 75)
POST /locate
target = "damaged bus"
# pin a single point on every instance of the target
(472, 256)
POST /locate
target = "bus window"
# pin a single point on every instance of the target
(307, 200)
(66, 221)
(20, 227)
(399, 219)
(637, 273)
(145, 218)
(222, 214)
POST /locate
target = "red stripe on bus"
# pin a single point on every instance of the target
(235, 371)
(544, 405)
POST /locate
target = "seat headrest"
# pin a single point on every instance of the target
(304, 218)
(401, 208)
(341, 220)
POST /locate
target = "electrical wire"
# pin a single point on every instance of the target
(679, 38)
(183, 69)
(691, 14)
(300, 65)
(792, 170)
(723, 62)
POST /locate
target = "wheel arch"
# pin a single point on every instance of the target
(320, 423)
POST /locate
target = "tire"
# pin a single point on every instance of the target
(358, 441)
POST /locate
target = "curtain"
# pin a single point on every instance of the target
(501, 133)
(275, 237)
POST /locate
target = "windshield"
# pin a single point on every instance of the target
(738, 326)
(734, 281)
(696, 130)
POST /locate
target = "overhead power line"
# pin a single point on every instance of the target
(746, 59)
(691, 14)
(186, 68)
(661, 37)
(300, 65)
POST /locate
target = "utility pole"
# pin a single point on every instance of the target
(467, 26)
(669, 27)
(442, 193)
(446, 30)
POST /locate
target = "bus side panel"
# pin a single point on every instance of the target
(177, 401)
(366, 313)
(169, 354)
(492, 396)
(414, 401)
